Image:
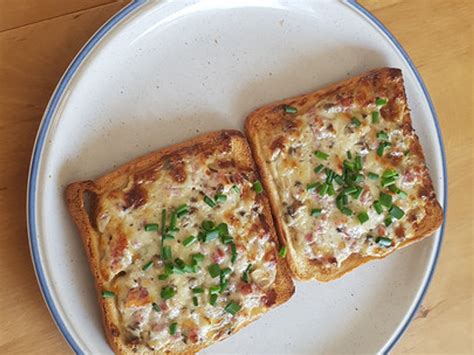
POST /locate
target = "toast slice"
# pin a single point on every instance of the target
(182, 246)
(345, 174)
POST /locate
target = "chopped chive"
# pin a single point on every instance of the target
(386, 182)
(213, 299)
(349, 190)
(189, 240)
(214, 289)
(406, 152)
(321, 155)
(358, 178)
(209, 201)
(357, 193)
(282, 251)
(167, 292)
(346, 211)
(173, 327)
(163, 276)
(222, 283)
(290, 109)
(208, 225)
(180, 264)
(385, 200)
(155, 307)
(316, 212)
(355, 121)
(151, 227)
(168, 236)
(147, 266)
(167, 253)
(220, 198)
(375, 117)
(331, 191)
(245, 275)
(214, 270)
(387, 221)
(402, 194)
(348, 164)
(211, 235)
(190, 268)
(233, 256)
(223, 229)
(358, 162)
(226, 271)
(396, 212)
(349, 154)
(323, 188)
(339, 180)
(340, 201)
(380, 149)
(330, 175)
(107, 294)
(195, 301)
(182, 210)
(232, 308)
(312, 186)
(382, 136)
(173, 220)
(380, 101)
(363, 217)
(378, 207)
(257, 186)
(236, 189)
(197, 290)
(197, 257)
(373, 176)
(389, 173)
(386, 242)
(319, 168)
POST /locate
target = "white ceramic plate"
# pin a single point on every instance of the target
(160, 72)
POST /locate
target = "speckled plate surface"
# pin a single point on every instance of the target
(161, 72)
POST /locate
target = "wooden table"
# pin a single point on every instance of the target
(38, 39)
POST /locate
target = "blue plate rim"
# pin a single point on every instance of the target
(57, 96)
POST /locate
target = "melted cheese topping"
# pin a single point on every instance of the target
(335, 129)
(126, 248)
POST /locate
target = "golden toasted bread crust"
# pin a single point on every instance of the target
(75, 196)
(269, 119)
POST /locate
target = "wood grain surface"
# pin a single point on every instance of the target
(38, 39)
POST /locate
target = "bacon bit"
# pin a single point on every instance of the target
(244, 288)
(223, 164)
(309, 237)
(269, 298)
(177, 171)
(118, 245)
(381, 230)
(390, 110)
(136, 197)
(218, 255)
(193, 335)
(237, 178)
(278, 144)
(137, 297)
(164, 307)
(426, 192)
(269, 255)
(366, 196)
(158, 327)
(316, 124)
(114, 330)
(400, 232)
(346, 101)
(412, 174)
